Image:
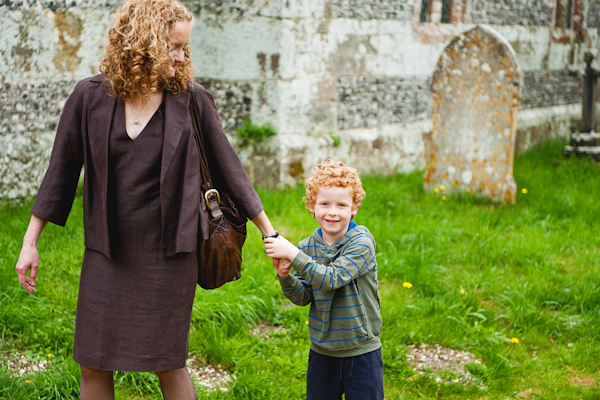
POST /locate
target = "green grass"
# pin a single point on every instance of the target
(529, 271)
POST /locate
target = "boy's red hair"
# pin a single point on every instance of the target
(334, 173)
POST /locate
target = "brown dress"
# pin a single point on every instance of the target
(134, 311)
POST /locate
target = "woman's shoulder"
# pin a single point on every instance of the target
(90, 84)
(201, 94)
(86, 90)
(92, 81)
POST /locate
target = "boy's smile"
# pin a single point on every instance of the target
(333, 211)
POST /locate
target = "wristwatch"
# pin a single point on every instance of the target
(272, 236)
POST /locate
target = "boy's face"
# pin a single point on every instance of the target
(333, 210)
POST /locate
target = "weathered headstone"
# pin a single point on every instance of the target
(476, 88)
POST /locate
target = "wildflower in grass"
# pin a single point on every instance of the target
(515, 340)
(454, 183)
(49, 355)
(407, 285)
(443, 197)
(27, 381)
(524, 191)
(462, 291)
(306, 322)
(442, 187)
(436, 190)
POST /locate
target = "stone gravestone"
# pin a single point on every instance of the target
(475, 88)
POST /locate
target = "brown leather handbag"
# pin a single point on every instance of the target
(219, 256)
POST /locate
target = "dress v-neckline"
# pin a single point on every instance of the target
(133, 139)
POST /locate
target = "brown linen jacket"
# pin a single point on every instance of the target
(82, 140)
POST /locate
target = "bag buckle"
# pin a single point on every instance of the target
(212, 191)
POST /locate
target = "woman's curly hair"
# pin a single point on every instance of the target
(137, 54)
(334, 173)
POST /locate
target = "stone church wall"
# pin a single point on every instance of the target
(358, 71)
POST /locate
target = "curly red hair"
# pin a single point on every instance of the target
(137, 53)
(334, 173)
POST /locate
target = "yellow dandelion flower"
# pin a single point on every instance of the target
(443, 197)
(27, 381)
(442, 187)
(407, 285)
(462, 291)
(306, 322)
(436, 190)
(454, 183)
(524, 191)
(515, 340)
(49, 355)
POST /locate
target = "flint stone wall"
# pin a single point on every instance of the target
(371, 101)
(593, 15)
(377, 101)
(30, 114)
(233, 99)
(353, 69)
(512, 12)
(550, 88)
(400, 10)
(59, 5)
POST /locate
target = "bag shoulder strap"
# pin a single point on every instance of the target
(211, 195)
(196, 122)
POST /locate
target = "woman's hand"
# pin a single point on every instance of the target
(29, 259)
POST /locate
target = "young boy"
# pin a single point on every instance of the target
(336, 273)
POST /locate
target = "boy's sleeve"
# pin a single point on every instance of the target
(357, 260)
(296, 291)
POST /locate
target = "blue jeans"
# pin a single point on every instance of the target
(359, 377)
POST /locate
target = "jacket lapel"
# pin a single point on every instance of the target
(176, 117)
(100, 111)
(100, 114)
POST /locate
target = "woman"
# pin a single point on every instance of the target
(130, 128)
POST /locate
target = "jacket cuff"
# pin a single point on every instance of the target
(286, 281)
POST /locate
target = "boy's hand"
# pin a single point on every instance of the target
(283, 269)
(280, 247)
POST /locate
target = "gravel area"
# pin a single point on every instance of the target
(210, 377)
(18, 364)
(438, 360)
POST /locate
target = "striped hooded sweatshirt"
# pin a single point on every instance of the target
(339, 281)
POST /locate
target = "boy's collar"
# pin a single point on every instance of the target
(352, 225)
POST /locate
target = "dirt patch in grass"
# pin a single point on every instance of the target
(581, 380)
(267, 331)
(448, 365)
(211, 377)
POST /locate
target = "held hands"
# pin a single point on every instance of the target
(282, 249)
(284, 267)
